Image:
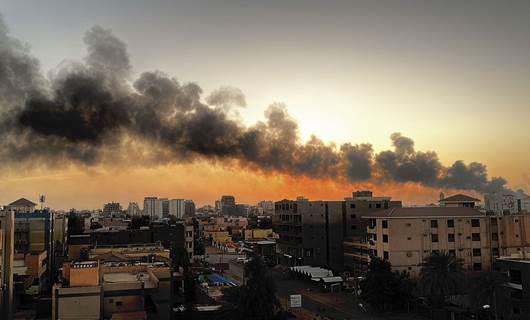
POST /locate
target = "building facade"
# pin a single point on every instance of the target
(177, 208)
(406, 236)
(7, 252)
(310, 232)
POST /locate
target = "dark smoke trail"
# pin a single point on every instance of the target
(89, 113)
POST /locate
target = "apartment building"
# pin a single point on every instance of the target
(510, 235)
(118, 282)
(310, 232)
(361, 203)
(405, 236)
(513, 298)
(190, 240)
(7, 251)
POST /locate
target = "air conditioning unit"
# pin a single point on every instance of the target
(409, 254)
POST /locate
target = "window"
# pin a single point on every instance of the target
(476, 252)
(409, 238)
(495, 236)
(516, 310)
(434, 223)
(452, 252)
(495, 252)
(475, 236)
(385, 224)
(370, 205)
(515, 276)
(450, 237)
(434, 237)
(475, 223)
(385, 255)
(450, 223)
(385, 238)
(477, 266)
(308, 252)
(352, 205)
(378, 205)
(354, 227)
(118, 303)
(371, 223)
(516, 294)
(353, 216)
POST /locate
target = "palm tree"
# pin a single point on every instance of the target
(442, 274)
(484, 289)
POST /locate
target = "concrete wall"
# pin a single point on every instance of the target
(410, 241)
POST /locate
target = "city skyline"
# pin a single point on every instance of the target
(461, 95)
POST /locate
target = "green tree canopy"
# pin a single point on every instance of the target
(384, 289)
(256, 299)
(442, 274)
(76, 224)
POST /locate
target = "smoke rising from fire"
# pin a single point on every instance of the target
(92, 112)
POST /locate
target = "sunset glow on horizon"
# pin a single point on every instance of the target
(446, 77)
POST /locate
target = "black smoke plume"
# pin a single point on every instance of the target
(92, 112)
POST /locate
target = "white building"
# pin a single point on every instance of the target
(150, 207)
(162, 208)
(507, 202)
(177, 207)
(133, 209)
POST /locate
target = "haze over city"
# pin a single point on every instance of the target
(406, 99)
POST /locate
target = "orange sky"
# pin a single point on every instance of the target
(202, 182)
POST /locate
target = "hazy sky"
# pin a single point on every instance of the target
(452, 75)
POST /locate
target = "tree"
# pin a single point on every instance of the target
(138, 222)
(172, 219)
(256, 299)
(484, 289)
(442, 274)
(384, 289)
(76, 224)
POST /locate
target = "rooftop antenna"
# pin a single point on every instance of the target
(42, 199)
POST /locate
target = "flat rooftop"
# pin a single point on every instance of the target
(130, 277)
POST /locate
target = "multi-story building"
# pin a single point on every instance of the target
(405, 236)
(7, 251)
(177, 208)
(507, 202)
(133, 209)
(228, 206)
(35, 234)
(510, 235)
(363, 202)
(112, 209)
(310, 232)
(190, 240)
(22, 205)
(113, 287)
(459, 200)
(513, 298)
(151, 207)
(189, 208)
(163, 207)
(267, 207)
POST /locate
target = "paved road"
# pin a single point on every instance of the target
(336, 306)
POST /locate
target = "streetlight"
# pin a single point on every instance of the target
(486, 308)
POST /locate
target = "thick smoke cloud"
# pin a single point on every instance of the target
(93, 112)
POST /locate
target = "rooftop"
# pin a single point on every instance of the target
(424, 212)
(459, 198)
(22, 202)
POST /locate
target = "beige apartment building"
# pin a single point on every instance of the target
(405, 236)
(511, 236)
(111, 290)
